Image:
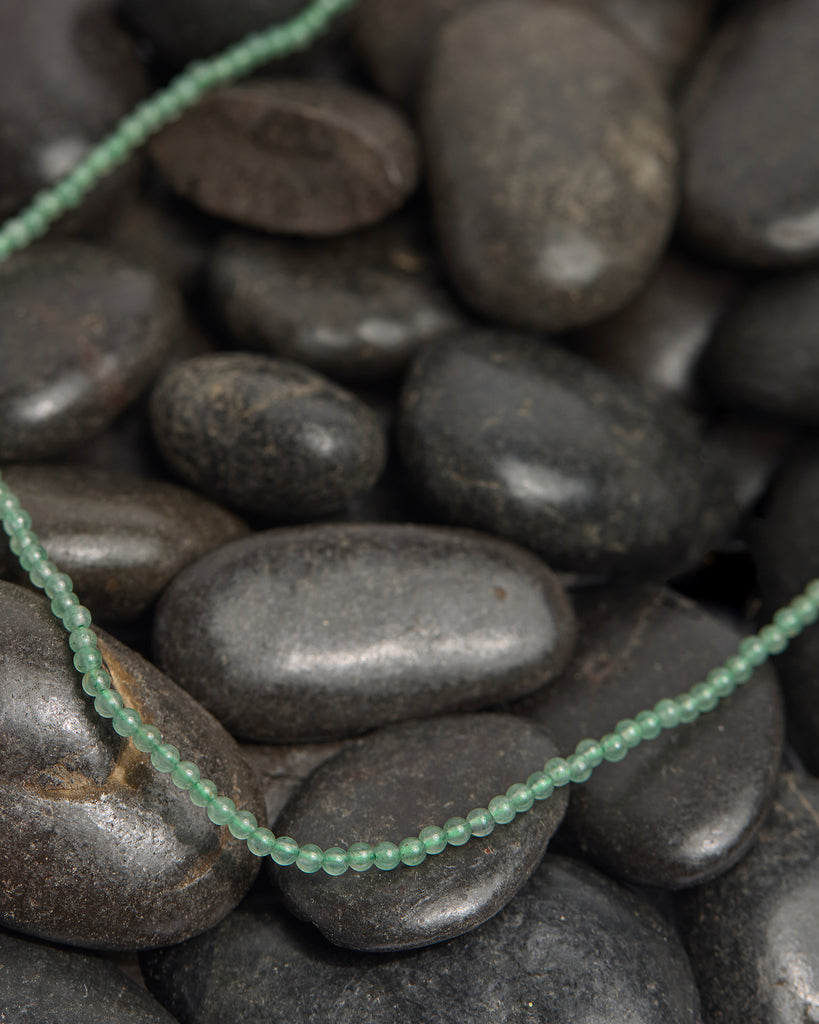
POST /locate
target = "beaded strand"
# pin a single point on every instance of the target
(589, 754)
(183, 92)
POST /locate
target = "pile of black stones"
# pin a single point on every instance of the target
(406, 414)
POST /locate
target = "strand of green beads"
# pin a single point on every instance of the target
(148, 118)
(167, 105)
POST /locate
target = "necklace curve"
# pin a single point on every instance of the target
(149, 117)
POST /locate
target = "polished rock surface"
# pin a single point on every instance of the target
(84, 808)
(121, 538)
(753, 934)
(513, 435)
(751, 192)
(684, 807)
(388, 786)
(329, 630)
(265, 436)
(40, 984)
(84, 333)
(550, 214)
(315, 158)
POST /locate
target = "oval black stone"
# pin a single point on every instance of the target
(753, 934)
(550, 214)
(265, 436)
(119, 537)
(388, 786)
(513, 435)
(750, 188)
(40, 984)
(327, 305)
(572, 946)
(686, 806)
(83, 335)
(764, 356)
(331, 630)
(314, 158)
(130, 862)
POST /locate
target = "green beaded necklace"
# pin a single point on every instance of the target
(34, 221)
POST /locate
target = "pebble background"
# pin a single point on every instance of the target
(407, 414)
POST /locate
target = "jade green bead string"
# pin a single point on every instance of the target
(149, 117)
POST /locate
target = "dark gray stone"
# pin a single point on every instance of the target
(753, 934)
(129, 862)
(516, 436)
(785, 546)
(327, 304)
(389, 785)
(40, 985)
(120, 538)
(67, 74)
(281, 770)
(314, 158)
(572, 946)
(764, 357)
(750, 188)
(551, 214)
(83, 334)
(686, 806)
(658, 338)
(265, 436)
(326, 631)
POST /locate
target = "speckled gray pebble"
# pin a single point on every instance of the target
(265, 436)
(326, 631)
(130, 863)
(373, 790)
(550, 214)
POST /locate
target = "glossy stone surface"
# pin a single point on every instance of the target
(282, 769)
(265, 436)
(684, 807)
(326, 631)
(119, 537)
(327, 304)
(513, 435)
(573, 946)
(764, 357)
(84, 808)
(753, 934)
(785, 546)
(67, 74)
(550, 214)
(315, 158)
(658, 338)
(40, 984)
(375, 789)
(83, 334)
(751, 193)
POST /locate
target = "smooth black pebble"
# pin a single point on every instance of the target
(129, 862)
(572, 946)
(684, 807)
(753, 934)
(513, 435)
(388, 786)
(327, 631)
(550, 214)
(265, 436)
(84, 333)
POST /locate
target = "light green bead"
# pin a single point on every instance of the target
(433, 838)
(285, 851)
(812, 591)
(705, 696)
(107, 703)
(788, 621)
(75, 615)
(773, 638)
(310, 858)
(22, 539)
(185, 775)
(541, 785)
(81, 638)
(412, 851)
(242, 825)
(361, 856)
(16, 520)
(501, 809)
(221, 809)
(559, 770)
(722, 681)
(579, 768)
(649, 724)
(165, 758)
(87, 660)
(202, 792)
(261, 841)
(387, 856)
(457, 831)
(591, 750)
(147, 738)
(42, 573)
(59, 584)
(32, 555)
(668, 713)
(614, 747)
(334, 861)
(689, 712)
(94, 683)
(805, 610)
(521, 796)
(126, 721)
(630, 731)
(740, 668)
(753, 650)
(481, 822)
